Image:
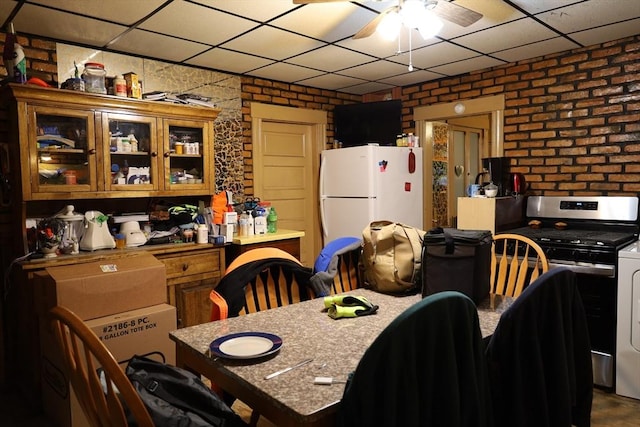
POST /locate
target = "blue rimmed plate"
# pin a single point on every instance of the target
(246, 345)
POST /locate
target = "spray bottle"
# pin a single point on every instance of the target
(13, 57)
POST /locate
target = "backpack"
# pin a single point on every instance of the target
(391, 257)
(176, 397)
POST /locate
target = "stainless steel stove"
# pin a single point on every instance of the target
(585, 235)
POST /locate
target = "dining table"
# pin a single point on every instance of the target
(297, 334)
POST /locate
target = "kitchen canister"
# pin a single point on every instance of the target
(94, 77)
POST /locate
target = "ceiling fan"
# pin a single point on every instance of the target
(442, 8)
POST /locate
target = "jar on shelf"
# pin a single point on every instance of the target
(94, 77)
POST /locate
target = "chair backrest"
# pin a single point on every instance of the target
(518, 262)
(337, 266)
(348, 276)
(260, 279)
(83, 353)
(427, 367)
(539, 356)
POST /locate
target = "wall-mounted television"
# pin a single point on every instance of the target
(368, 123)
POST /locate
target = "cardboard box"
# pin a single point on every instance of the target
(102, 288)
(142, 331)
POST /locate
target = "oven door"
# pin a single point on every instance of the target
(597, 285)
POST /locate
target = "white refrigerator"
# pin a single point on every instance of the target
(368, 183)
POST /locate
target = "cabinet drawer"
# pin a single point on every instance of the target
(191, 264)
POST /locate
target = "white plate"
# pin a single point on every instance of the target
(246, 345)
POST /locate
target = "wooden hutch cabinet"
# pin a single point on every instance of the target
(105, 153)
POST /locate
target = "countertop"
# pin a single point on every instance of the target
(268, 237)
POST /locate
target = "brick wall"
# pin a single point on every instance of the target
(571, 120)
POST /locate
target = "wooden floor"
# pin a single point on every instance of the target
(609, 410)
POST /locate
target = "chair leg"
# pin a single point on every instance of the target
(255, 416)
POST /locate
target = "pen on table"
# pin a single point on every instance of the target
(282, 371)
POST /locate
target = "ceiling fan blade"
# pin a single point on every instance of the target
(455, 13)
(371, 27)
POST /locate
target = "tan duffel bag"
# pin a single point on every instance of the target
(391, 257)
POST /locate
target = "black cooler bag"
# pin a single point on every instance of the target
(457, 260)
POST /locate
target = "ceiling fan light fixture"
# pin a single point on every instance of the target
(430, 25)
(390, 25)
(412, 12)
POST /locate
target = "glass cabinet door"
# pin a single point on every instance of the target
(187, 155)
(130, 152)
(62, 150)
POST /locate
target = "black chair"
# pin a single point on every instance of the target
(539, 357)
(427, 368)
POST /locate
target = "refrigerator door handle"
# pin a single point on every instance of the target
(323, 222)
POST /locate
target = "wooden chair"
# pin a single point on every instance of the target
(259, 279)
(348, 276)
(83, 353)
(520, 262)
(539, 357)
(426, 368)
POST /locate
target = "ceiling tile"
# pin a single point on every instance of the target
(537, 6)
(376, 70)
(158, 46)
(331, 81)
(437, 54)
(512, 34)
(198, 23)
(330, 58)
(328, 21)
(272, 43)
(478, 63)
(608, 32)
(533, 50)
(285, 72)
(124, 12)
(76, 29)
(365, 88)
(228, 60)
(257, 10)
(579, 17)
(410, 78)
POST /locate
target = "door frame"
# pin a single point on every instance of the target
(492, 105)
(317, 119)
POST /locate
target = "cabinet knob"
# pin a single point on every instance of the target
(154, 154)
(166, 155)
(185, 267)
(92, 151)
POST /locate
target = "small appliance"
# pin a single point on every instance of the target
(96, 234)
(72, 231)
(133, 235)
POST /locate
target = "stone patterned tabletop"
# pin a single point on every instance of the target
(308, 332)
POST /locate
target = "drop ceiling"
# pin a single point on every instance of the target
(312, 45)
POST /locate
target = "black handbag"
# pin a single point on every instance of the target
(457, 260)
(176, 397)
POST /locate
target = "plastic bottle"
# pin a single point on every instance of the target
(120, 86)
(243, 224)
(272, 221)
(251, 225)
(132, 140)
(203, 234)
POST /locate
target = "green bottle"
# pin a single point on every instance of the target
(272, 221)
